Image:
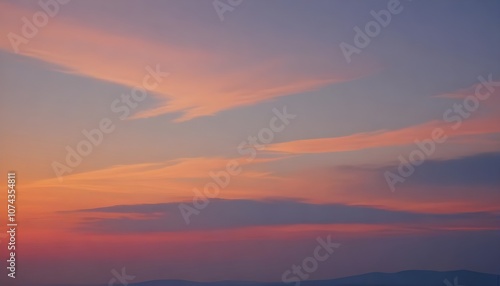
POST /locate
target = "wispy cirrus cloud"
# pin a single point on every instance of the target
(203, 81)
(176, 174)
(455, 126)
(386, 138)
(171, 180)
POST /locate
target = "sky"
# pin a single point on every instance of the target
(219, 140)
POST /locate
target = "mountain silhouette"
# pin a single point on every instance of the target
(404, 278)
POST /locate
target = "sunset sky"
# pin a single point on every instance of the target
(210, 85)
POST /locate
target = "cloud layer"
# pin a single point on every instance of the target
(226, 214)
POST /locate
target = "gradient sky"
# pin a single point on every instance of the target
(322, 175)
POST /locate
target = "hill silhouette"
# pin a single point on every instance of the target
(404, 278)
